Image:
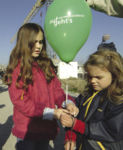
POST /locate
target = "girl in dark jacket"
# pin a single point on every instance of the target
(99, 124)
(34, 90)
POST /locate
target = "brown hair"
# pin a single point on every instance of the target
(22, 53)
(113, 62)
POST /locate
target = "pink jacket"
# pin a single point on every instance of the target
(28, 111)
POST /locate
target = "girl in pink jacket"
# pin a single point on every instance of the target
(34, 90)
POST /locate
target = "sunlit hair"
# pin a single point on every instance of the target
(22, 53)
(113, 62)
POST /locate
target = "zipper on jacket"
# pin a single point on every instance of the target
(22, 95)
(100, 145)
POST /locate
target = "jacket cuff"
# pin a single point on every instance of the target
(70, 136)
(48, 113)
(67, 102)
(79, 126)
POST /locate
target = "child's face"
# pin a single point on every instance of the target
(36, 50)
(99, 78)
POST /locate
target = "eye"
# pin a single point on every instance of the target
(99, 77)
(88, 77)
(41, 41)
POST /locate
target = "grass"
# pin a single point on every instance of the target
(75, 85)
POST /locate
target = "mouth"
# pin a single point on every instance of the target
(37, 51)
(94, 86)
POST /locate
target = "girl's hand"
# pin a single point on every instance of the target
(73, 110)
(67, 120)
(70, 145)
(58, 112)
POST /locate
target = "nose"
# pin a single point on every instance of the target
(93, 80)
(38, 45)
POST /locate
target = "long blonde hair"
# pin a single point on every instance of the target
(113, 62)
(22, 53)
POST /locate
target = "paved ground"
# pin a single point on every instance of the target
(7, 140)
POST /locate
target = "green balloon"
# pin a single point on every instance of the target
(67, 27)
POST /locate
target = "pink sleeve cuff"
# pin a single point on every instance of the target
(70, 136)
(79, 126)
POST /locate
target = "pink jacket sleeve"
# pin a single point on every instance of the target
(26, 105)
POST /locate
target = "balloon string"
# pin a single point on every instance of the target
(66, 93)
(66, 104)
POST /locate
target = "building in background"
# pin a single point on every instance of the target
(68, 70)
(81, 71)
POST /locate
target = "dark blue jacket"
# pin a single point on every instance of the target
(104, 124)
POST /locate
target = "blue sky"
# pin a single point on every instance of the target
(13, 13)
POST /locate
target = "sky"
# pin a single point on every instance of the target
(13, 13)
